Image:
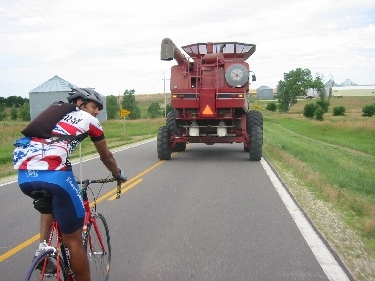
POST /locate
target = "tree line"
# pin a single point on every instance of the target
(128, 102)
(20, 108)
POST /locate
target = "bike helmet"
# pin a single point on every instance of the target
(86, 94)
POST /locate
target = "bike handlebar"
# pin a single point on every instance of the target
(87, 182)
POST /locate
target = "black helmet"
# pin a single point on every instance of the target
(86, 94)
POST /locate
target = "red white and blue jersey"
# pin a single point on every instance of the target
(49, 154)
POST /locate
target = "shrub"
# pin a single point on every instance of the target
(154, 110)
(272, 106)
(368, 110)
(309, 110)
(339, 111)
(324, 104)
(319, 112)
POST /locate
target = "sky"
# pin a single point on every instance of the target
(114, 46)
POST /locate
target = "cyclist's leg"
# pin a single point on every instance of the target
(77, 253)
(69, 212)
(45, 226)
(27, 182)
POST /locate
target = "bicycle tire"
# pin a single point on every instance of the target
(99, 260)
(38, 268)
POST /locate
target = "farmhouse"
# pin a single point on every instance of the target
(55, 89)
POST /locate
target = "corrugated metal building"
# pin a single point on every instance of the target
(265, 93)
(353, 91)
(55, 89)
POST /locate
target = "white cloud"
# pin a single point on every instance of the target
(113, 47)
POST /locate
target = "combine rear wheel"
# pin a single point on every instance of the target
(253, 118)
(256, 143)
(171, 124)
(164, 149)
(254, 128)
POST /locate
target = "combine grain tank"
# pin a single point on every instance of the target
(210, 96)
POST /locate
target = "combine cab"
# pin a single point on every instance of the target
(209, 94)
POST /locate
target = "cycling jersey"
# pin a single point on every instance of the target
(53, 153)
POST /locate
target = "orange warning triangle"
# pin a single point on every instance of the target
(207, 110)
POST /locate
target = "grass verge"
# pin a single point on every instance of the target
(329, 168)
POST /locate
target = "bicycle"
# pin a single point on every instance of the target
(53, 261)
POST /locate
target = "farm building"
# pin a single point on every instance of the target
(353, 91)
(265, 93)
(55, 89)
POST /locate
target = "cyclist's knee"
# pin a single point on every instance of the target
(74, 239)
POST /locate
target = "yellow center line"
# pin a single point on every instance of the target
(126, 186)
(19, 247)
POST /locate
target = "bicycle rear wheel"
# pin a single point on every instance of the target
(47, 266)
(98, 248)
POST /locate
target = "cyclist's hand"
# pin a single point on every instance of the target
(122, 177)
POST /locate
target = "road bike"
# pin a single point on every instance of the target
(53, 262)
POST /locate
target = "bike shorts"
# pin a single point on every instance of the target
(67, 203)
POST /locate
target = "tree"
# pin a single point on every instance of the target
(113, 107)
(295, 83)
(25, 112)
(3, 114)
(309, 110)
(319, 113)
(153, 110)
(129, 103)
(13, 113)
(17, 101)
(272, 106)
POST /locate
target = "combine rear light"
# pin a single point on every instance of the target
(174, 96)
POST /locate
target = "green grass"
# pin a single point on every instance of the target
(340, 162)
(334, 158)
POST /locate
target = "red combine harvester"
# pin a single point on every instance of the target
(210, 97)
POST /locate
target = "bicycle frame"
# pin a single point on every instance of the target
(90, 219)
(55, 235)
(61, 251)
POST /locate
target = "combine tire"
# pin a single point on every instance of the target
(171, 124)
(253, 118)
(256, 143)
(164, 150)
(254, 128)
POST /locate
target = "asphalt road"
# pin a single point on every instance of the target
(207, 214)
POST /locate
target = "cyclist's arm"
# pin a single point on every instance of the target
(106, 157)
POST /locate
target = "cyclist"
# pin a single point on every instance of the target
(44, 164)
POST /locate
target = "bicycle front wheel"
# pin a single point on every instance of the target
(98, 247)
(48, 265)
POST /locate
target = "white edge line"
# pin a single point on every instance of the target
(328, 263)
(88, 159)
